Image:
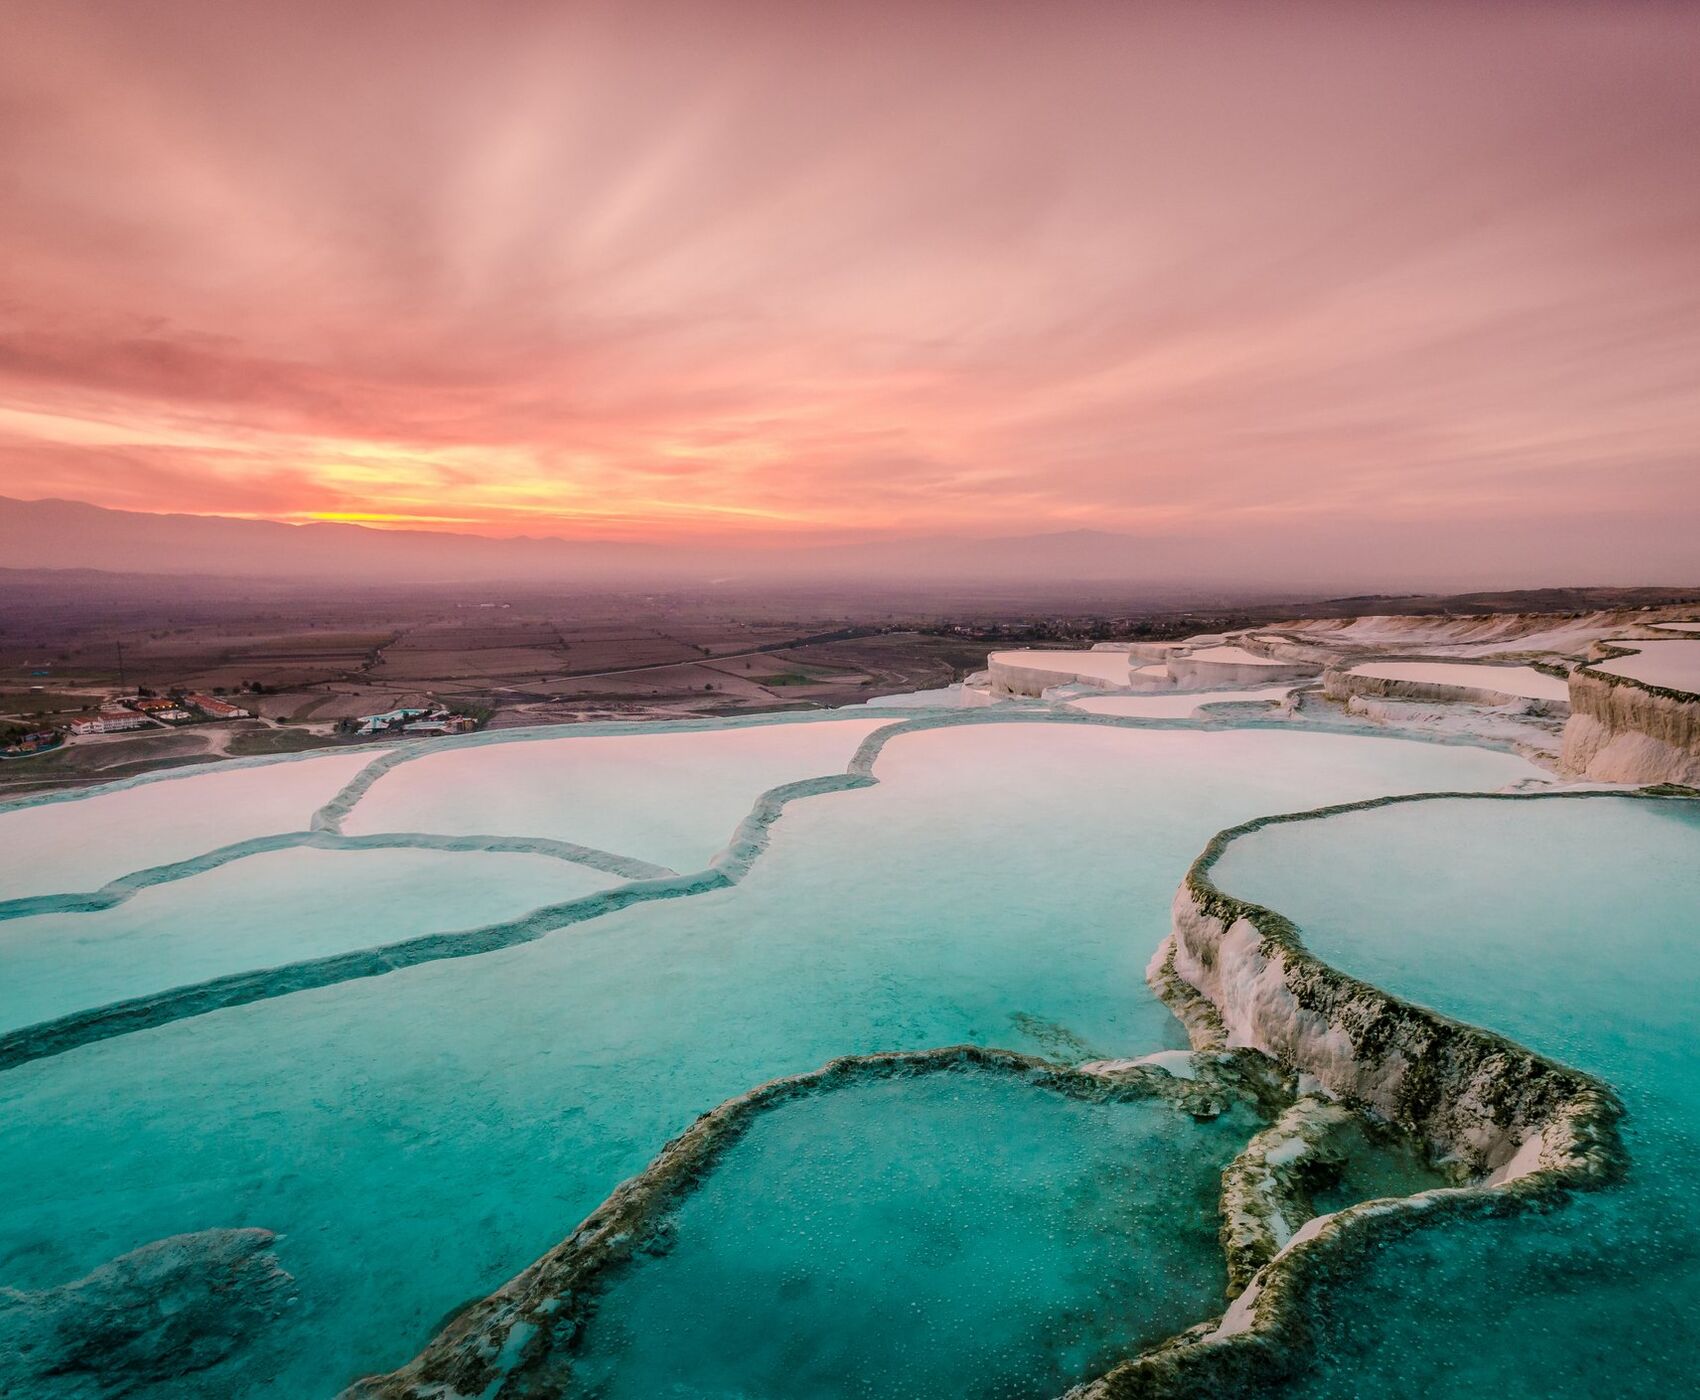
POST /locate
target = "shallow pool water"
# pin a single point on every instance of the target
(960, 1235)
(261, 911)
(670, 796)
(1237, 656)
(1572, 925)
(1524, 681)
(419, 1137)
(59, 847)
(1176, 706)
(1675, 665)
(949, 697)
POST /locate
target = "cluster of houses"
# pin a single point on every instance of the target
(37, 741)
(129, 712)
(144, 711)
(138, 711)
(425, 721)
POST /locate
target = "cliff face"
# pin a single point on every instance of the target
(1199, 672)
(1523, 1130)
(1621, 731)
(1007, 678)
(1339, 683)
(1489, 1106)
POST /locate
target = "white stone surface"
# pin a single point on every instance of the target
(1675, 665)
(1523, 681)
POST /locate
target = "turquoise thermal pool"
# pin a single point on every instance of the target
(672, 797)
(956, 1235)
(273, 908)
(1573, 926)
(418, 1137)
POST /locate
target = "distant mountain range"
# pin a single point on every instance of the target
(58, 534)
(1291, 559)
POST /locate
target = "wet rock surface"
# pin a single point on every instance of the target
(167, 1310)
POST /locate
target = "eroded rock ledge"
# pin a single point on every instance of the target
(161, 1312)
(1518, 1129)
(1622, 730)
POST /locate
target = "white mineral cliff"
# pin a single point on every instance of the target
(1622, 730)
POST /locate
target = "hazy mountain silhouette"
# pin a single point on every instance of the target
(58, 534)
(1450, 555)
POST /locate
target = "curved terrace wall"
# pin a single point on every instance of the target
(521, 1340)
(1201, 671)
(1527, 1129)
(1032, 677)
(1342, 683)
(1622, 730)
(1484, 1103)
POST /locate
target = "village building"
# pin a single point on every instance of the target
(109, 722)
(214, 708)
(434, 719)
(389, 720)
(37, 741)
(442, 724)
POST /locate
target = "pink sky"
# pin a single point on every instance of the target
(737, 270)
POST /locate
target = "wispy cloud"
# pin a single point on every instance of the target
(754, 271)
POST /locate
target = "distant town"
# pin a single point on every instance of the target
(146, 708)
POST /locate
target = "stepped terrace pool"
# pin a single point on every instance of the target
(962, 1234)
(417, 1126)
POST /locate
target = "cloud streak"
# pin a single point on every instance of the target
(765, 272)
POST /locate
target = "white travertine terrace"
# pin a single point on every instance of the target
(1174, 706)
(1034, 672)
(1498, 634)
(1674, 665)
(1635, 713)
(1633, 704)
(53, 845)
(1234, 665)
(1521, 681)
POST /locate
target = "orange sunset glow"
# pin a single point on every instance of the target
(733, 272)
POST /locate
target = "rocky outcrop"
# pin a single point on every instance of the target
(1266, 1190)
(1023, 673)
(1622, 730)
(1343, 684)
(159, 1313)
(1523, 1129)
(1487, 1105)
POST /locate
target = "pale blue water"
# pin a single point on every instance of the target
(960, 1235)
(1574, 927)
(263, 911)
(59, 847)
(668, 795)
(418, 1138)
